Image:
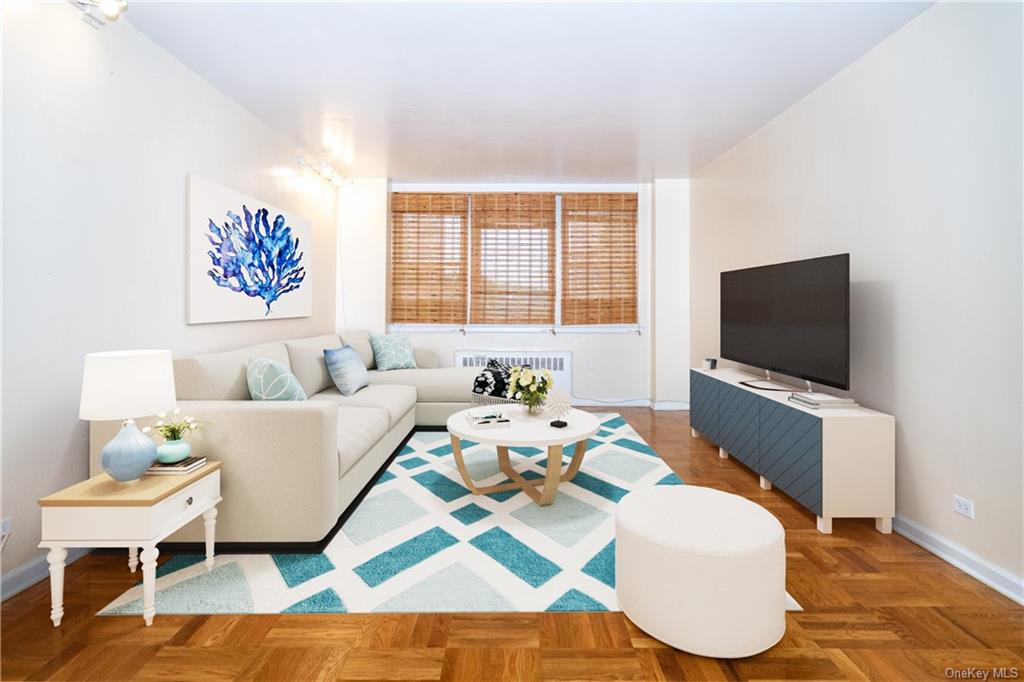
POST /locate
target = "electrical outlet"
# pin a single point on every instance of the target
(6, 525)
(961, 505)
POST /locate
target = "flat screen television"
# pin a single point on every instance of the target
(792, 318)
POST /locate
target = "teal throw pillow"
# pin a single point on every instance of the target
(271, 380)
(346, 369)
(392, 351)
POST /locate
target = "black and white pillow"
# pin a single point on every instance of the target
(493, 380)
(494, 363)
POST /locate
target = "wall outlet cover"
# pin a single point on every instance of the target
(961, 505)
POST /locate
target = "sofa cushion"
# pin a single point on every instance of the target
(360, 340)
(359, 429)
(306, 357)
(221, 376)
(397, 400)
(425, 357)
(440, 385)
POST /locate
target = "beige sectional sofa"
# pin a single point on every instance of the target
(291, 468)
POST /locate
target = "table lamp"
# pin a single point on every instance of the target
(124, 385)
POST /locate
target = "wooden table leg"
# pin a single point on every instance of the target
(552, 476)
(209, 525)
(504, 463)
(149, 555)
(55, 558)
(577, 460)
(133, 559)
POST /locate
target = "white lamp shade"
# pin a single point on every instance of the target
(126, 384)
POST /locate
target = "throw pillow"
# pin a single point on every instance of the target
(346, 369)
(493, 380)
(392, 351)
(271, 380)
(494, 363)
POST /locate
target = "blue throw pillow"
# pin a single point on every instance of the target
(271, 380)
(392, 351)
(347, 369)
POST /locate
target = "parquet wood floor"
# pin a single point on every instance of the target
(877, 607)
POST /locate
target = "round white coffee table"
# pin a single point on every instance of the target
(526, 430)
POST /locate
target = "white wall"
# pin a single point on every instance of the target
(613, 368)
(910, 159)
(670, 336)
(100, 129)
(362, 254)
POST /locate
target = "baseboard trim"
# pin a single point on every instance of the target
(22, 577)
(611, 402)
(670, 405)
(996, 577)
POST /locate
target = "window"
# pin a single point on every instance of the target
(599, 259)
(428, 258)
(514, 259)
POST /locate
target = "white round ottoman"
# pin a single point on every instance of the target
(701, 570)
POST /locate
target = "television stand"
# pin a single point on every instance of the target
(836, 463)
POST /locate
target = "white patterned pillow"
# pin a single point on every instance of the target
(392, 351)
(271, 380)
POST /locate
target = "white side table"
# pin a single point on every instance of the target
(102, 512)
(526, 430)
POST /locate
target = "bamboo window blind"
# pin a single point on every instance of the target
(498, 266)
(599, 270)
(513, 259)
(428, 258)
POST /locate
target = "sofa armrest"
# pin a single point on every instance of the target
(279, 476)
(426, 358)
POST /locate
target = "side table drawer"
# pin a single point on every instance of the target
(121, 523)
(183, 503)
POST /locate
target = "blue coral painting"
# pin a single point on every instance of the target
(254, 259)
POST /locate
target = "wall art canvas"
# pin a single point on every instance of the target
(247, 260)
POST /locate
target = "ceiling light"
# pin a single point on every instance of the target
(322, 168)
(97, 13)
(112, 9)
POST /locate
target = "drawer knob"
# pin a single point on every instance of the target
(189, 501)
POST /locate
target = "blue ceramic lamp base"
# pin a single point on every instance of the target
(129, 454)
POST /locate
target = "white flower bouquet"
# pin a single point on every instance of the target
(173, 429)
(530, 387)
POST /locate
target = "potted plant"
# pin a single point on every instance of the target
(530, 387)
(174, 448)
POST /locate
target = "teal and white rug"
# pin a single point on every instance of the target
(420, 541)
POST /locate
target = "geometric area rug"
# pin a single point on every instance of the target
(420, 541)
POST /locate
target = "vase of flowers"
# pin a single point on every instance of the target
(530, 387)
(174, 448)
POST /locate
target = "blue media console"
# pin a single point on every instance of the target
(835, 462)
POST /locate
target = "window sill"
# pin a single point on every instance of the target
(549, 330)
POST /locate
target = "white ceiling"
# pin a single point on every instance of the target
(518, 92)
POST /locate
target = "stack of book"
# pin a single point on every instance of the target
(487, 417)
(817, 401)
(185, 466)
